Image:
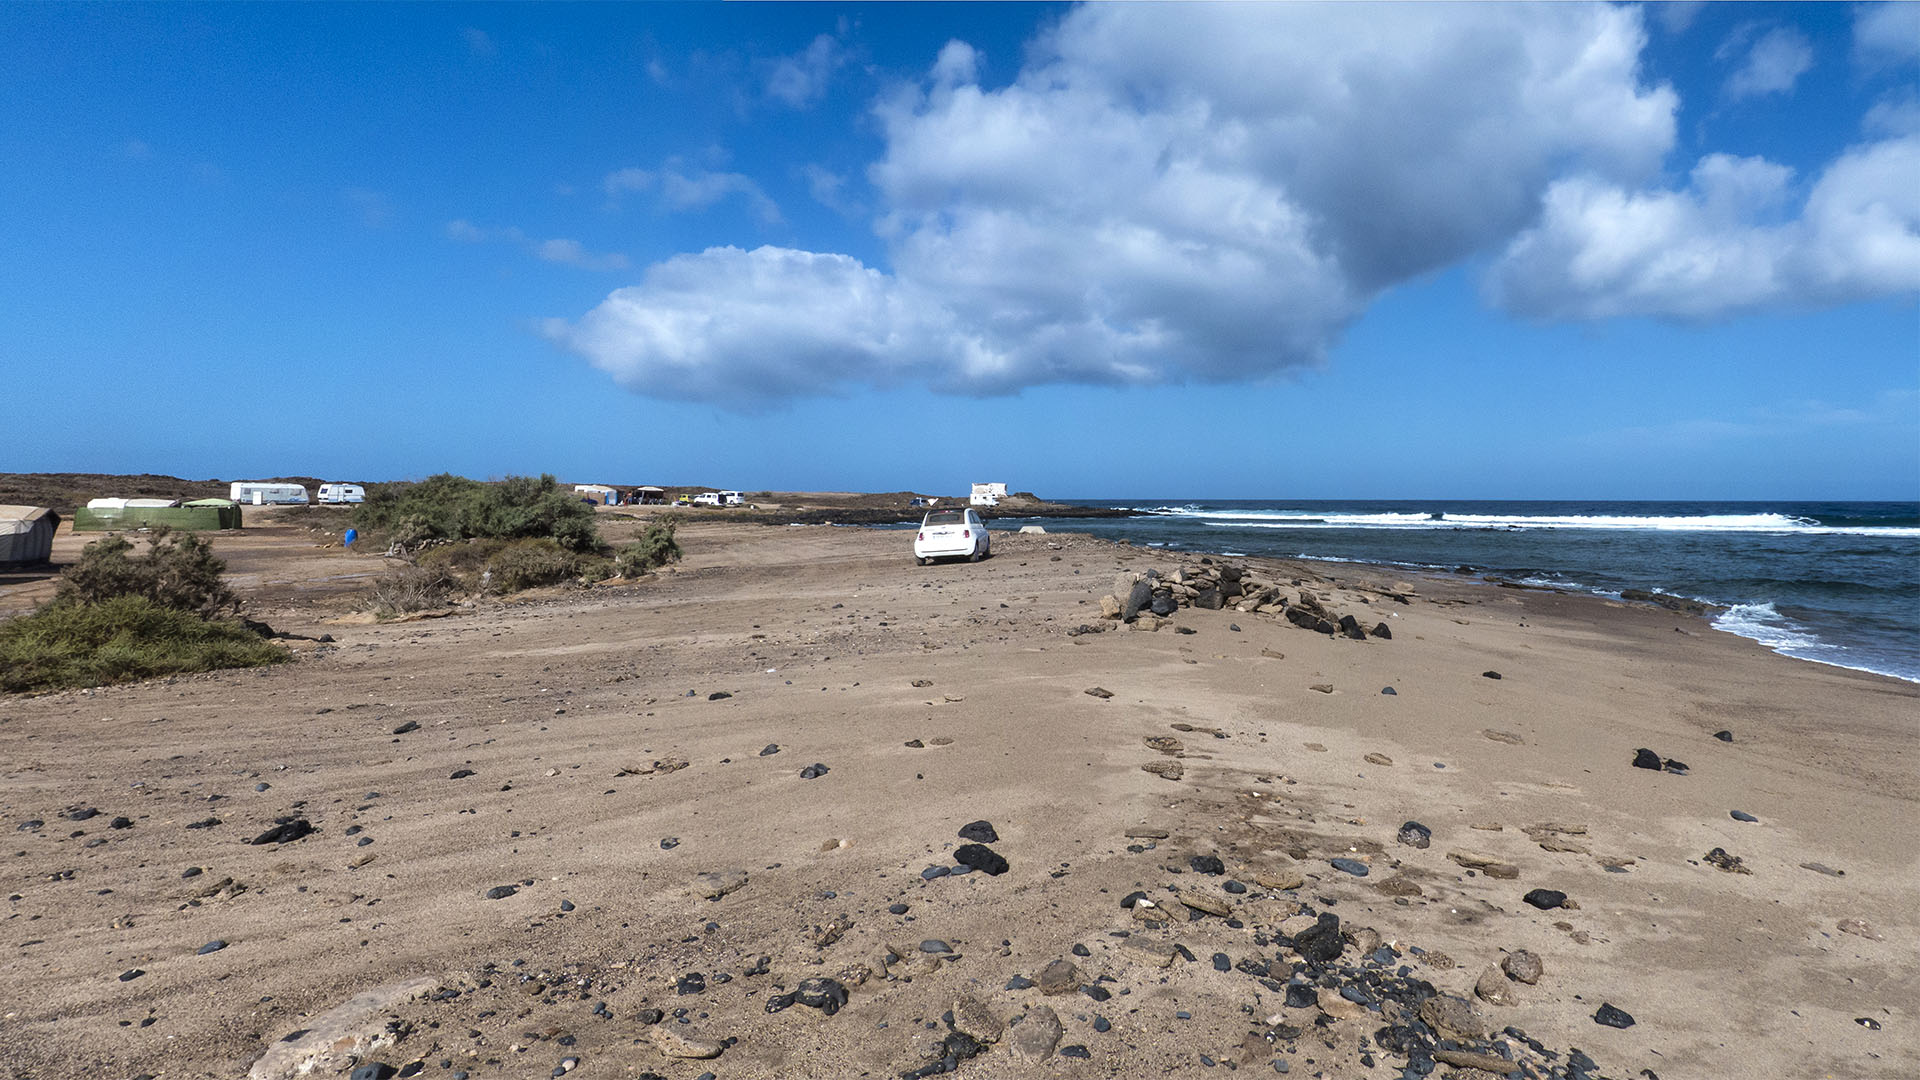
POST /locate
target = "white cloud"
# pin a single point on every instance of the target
(1888, 34)
(802, 80)
(478, 42)
(737, 326)
(621, 181)
(958, 63)
(465, 231)
(829, 189)
(685, 186)
(560, 250)
(374, 208)
(1773, 65)
(574, 253)
(1893, 115)
(1675, 16)
(1721, 245)
(1172, 193)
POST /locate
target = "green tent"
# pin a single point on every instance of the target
(201, 515)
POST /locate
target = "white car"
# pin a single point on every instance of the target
(948, 533)
(708, 498)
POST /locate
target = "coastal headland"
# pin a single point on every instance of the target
(795, 806)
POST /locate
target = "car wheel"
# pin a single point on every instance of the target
(976, 556)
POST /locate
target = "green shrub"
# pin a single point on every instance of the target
(467, 557)
(178, 571)
(529, 564)
(655, 548)
(448, 507)
(121, 638)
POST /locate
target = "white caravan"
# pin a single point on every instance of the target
(260, 493)
(337, 494)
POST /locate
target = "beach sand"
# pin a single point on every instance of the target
(618, 740)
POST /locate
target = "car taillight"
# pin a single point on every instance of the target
(923, 536)
(965, 533)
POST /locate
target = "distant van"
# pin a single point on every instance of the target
(342, 493)
(731, 498)
(257, 493)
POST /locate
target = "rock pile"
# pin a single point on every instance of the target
(1147, 600)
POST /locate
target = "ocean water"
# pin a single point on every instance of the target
(1832, 582)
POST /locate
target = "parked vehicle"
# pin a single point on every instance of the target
(916, 502)
(260, 493)
(731, 498)
(337, 494)
(707, 498)
(950, 533)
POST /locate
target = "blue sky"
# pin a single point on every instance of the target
(1496, 251)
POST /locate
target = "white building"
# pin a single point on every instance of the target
(987, 494)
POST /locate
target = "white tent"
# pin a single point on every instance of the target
(26, 534)
(130, 504)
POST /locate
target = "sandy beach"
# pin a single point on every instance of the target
(603, 761)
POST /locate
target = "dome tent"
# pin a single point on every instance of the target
(26, 534)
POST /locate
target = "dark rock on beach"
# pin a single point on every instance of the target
(979, 832)
(1413, 834)
(1613, 1017)
(284, 832)
(1320, 943)
(827, 995)
(1546, 899)
(1644, 758)
(980, 857)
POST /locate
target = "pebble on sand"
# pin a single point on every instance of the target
(1613, 1017)
(1546, 899)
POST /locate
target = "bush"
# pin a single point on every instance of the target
(655, 548)
(121, 638)
(448, 507)
(178, 571)
(413, 588)
(529, 564)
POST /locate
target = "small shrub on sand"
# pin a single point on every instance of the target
(529, 564)
(414, 588)
(118, 616)
(448, 507)
(178, 570)
(120, 639)
(655, 548)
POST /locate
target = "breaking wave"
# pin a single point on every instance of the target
(1762, 523)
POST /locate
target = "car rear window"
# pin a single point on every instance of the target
(947, 517)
